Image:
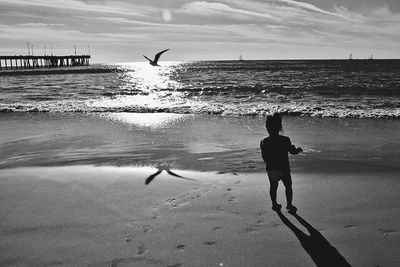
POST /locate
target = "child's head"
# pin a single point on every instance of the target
(273, 124)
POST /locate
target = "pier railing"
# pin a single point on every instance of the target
(31, 62)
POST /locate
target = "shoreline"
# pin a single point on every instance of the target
(197, 142)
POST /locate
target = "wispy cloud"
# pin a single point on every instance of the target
(41, 32)
(108, 7)
(39, 24)
(311, 7)
(219, 9)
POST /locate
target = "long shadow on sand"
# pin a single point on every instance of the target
(168, 170)
(315, 244)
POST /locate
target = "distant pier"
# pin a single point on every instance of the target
(33, 62)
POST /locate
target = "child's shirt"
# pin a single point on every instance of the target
(274, 151)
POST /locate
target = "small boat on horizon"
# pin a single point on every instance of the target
(350, 57)
(240, 58)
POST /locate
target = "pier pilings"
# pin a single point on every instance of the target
(31, 62)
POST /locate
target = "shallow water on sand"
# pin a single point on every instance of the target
(206, 142)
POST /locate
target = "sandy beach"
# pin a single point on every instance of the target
(73, 195)
(106, 216)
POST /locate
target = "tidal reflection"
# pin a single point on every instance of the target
(152, 120)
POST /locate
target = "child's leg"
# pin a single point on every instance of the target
(287, 181)
(273, 187)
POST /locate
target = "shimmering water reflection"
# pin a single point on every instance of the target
(146, 78)
(145, 87)
(152, 120)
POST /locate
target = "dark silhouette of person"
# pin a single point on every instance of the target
(315, 244)
(274, 151)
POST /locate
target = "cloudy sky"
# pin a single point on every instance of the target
(123, 30)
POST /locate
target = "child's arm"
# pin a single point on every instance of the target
(262, 152)
(294, 150)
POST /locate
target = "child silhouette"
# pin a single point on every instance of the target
(274, 151)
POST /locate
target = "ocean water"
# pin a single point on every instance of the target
(326, 88)
(202, 115)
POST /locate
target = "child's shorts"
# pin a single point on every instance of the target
(275, 175)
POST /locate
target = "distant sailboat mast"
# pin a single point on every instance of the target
(240, 58)
(350, 57)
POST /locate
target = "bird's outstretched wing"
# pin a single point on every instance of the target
(147, 58)
(151, 177)
(158, 55)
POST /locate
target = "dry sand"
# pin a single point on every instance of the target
(107, 216)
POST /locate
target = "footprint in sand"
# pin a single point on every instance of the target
(175, 265)
(146, 228)
(229, 189)
(180, 247)
(256, 226)
(349, 226)
(250, 229)
(178, 205)
(141, 250)
(130, 237)
(217, 228)
(232, 199)
(209, 243)
(115, 262)
(261, 222)
(196, 196)
(170, 200)
(220, 208)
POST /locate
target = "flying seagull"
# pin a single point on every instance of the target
(157, 56)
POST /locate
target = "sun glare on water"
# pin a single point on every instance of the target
(142, 86)
(152, 120)
(148, 78)
(145, 88)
